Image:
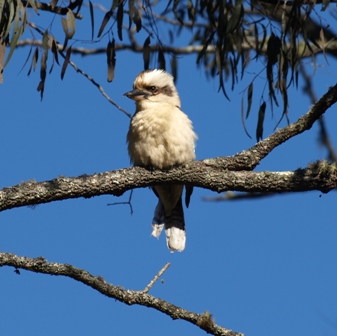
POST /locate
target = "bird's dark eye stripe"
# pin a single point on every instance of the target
(152, 88)
(167, 91)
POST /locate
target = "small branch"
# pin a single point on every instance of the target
(124, 203)
(131, 47)
(55, 9)
(324, 137)
(129, 297)
(99, 87)
(155, 279)
(60, 48)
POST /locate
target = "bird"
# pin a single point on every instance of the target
(161, 136)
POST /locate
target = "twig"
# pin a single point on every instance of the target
(55, 9)
(324, 136)
(60, 47)
(99, 87)
(155, 279)
(128, 202)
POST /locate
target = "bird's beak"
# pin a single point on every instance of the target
(136, 94)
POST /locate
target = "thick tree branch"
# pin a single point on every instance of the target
(129, 297)
(320, 176)
(213, 174)
(330, 46)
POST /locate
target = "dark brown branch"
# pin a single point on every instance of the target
(130, 47)
(213, 174)
(48, 7)
(129, 297)
(324, 137)
(320, 176)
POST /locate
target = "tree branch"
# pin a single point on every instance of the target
(155, 279)
(129, 297)
(48, 7)
(324, 137)
(320, 176)
(213, 174)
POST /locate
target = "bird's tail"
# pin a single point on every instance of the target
(174, 226)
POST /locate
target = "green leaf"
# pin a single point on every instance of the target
(111, 60)
(33, 5)
(45, 40)
(71, 24)
(120, 15)
(106, 19)
(236, 17)
(146, 52)
(259, 47)
(2, 59)
(161, 60)
(259, 128)
(2, 4)
(92, 19)
(24, 64)
(10, 19)
(273, 51)
(176, 13)
(79, 5)
(34, 60)
(132, 9)
(249, 98)
(69, 27)
(15, 37)
(204, 48)
(65, 63)
(273, 48)
(114, 5)
(174, 68)
(191, 11)
(137, 20)
(325, 5)
(54, 50)
(43, 68)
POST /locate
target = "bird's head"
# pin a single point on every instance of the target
(154, 86)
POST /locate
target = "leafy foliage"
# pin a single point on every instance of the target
(226, 36)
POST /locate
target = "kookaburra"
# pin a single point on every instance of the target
(161, 136)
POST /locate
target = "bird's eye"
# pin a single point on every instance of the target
(153, 88)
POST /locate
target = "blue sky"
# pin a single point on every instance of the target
(260, 267)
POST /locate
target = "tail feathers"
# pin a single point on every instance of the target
(158, 220)
(174, 226)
